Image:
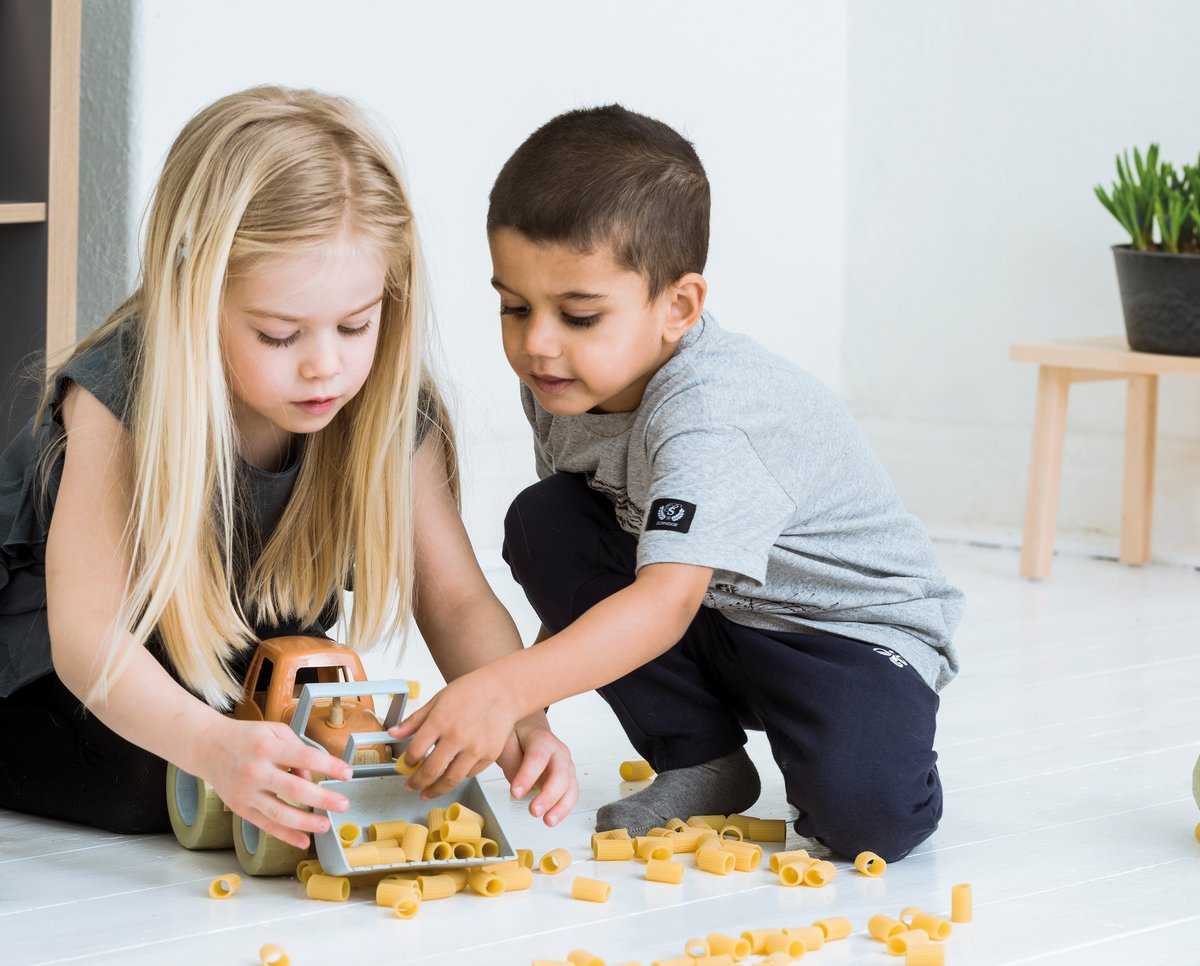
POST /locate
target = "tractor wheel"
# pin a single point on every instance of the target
(263, 854)
(198, 816)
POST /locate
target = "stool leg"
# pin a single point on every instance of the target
(1045, 471)
(1137, 500)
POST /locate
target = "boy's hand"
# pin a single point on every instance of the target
(258, 767)
(461, 731)
(534, 757)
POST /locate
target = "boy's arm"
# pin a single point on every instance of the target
(463, 723)
(465, 627)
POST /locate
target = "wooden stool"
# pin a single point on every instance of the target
(1063, 362)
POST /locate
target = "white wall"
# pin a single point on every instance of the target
(975, 135)
(759, 90)
(900, 191)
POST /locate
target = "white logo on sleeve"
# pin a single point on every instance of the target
(674, 515)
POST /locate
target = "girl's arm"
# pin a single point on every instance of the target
(466, 627)
(251, 765)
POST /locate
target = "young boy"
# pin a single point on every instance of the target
(712, 544)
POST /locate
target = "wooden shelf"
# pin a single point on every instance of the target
(22, 212)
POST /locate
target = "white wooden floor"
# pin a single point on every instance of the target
(1066, 745)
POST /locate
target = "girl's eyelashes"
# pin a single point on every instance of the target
(284, 343)
(278, 343)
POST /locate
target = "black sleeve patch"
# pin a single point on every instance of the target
(674, 515)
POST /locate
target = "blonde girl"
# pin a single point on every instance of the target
(253, 430)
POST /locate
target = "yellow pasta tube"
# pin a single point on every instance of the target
(554, 861)
(636, 771)
(614, 833)
(389, 890)
(500, 866)
(696, 948)
(812, 936)
(525, 857)
(715, 860)
(757, 938)
(435, 818)
(819, 874)
(486, 848)
(273, 955)
(766, 830)
(349, 833)
(731, 831)
(780, 859)
(439, 851)
(781, 942)
(691, 840)
(590, 890)
(515, 878)
(581, 957)
(747, 855)
(437, 886)
(386, 830)
(938, 928)
(392, 843)
(328, 888)
(307, 867)
(485, 883)
(404, 768)
(869, 864)
(884, 927)
(647, 847)
(664, 870)
(614, 850)
(458, 831)
(960, 903)
(359, 856)
(659, 832)
(736, 946)
(393, 855)
(907, 913)
(223, 886)
(713, 822)
(926, 954)
(741, 821)
(407, 904)
(676, 824)
(899, 944)
(458, 877)
(836, 927)
(462, 850)
(458, 812)
(792, 874)
(413, 840)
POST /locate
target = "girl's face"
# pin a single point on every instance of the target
(299, 335)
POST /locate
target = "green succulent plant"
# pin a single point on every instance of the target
(1158, 205)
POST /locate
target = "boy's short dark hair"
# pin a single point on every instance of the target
(607, 176)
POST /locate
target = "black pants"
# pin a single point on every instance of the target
(60, 761)
(851, 730)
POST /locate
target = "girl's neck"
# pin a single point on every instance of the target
(264, 445)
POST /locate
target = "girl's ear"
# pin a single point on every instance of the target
(685, 299)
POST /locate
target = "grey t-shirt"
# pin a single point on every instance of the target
(739, 461)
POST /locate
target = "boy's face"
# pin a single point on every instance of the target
(578, 329)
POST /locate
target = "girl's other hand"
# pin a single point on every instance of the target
(259, 767)
(535, 758)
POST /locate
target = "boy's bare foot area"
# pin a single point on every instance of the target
(721, 786)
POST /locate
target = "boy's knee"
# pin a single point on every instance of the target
(540, 516)
(889, 819)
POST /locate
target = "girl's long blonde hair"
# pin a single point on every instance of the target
(263, 172)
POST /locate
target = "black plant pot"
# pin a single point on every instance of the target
(1160, 294)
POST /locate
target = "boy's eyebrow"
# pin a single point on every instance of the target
(269, 314)
(561, 296)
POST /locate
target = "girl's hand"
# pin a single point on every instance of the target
(259, 767)
(535, 758)
(461, 731)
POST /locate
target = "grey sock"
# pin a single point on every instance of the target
(721, 786)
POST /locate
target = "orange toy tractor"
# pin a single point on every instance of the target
(274, 683)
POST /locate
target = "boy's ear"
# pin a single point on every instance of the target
(686, 303)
